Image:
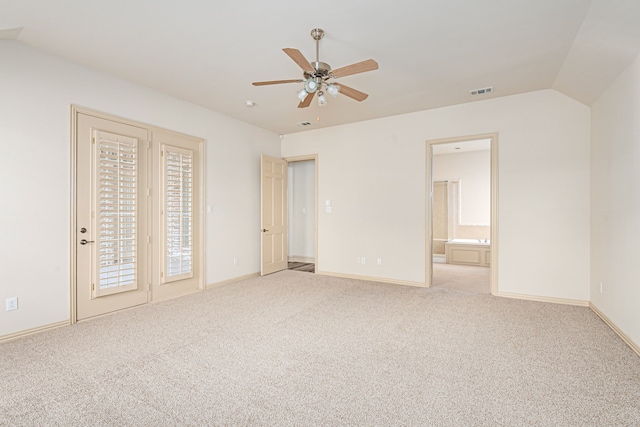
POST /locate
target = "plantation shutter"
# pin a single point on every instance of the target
(177, 192)
(115, 213)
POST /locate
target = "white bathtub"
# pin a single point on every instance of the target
(468, 251)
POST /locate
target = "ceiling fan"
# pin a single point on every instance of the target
(317, 76)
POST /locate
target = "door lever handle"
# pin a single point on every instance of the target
(264, 230)
(85, 241)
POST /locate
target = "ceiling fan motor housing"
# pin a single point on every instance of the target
(321, 70)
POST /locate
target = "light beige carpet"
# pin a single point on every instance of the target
(467, 278)
(301, 349)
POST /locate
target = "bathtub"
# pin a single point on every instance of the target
(468, 251)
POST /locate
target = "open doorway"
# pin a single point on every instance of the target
(302, 213)
(461, 213)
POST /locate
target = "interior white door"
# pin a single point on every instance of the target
(273, 215)
(111, 202)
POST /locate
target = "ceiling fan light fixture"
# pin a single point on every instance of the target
(311, 85)
(333, 89)
(322, 100)
(302, 95)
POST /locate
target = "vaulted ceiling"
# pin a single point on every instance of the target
(431, 53)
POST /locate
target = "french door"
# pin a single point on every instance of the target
(112, 204)
(138, 217)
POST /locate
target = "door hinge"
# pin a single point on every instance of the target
(93, 286)
(93, 140)
(161, 274)
(149, 239)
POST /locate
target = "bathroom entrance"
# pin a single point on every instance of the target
(462, 196)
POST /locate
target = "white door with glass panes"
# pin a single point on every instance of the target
(138, 218)
(111, 244)
(178, 201)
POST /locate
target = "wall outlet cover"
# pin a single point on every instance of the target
(12, 304)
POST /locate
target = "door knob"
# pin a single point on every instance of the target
(85, 241)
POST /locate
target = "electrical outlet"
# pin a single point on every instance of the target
(12, 303)
(364, 260)
(236, 261)
(379, 261)
(358, 260)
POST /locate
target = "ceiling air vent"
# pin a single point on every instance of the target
(304, 124)
(482, 91)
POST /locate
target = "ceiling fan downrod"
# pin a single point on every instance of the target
(317, 35)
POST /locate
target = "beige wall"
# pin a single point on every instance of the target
(374, 174)
(615, 202)
(37, 91)
(473, 170)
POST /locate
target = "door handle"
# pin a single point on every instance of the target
(85, 241)
(264, 230)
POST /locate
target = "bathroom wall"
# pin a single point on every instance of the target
(469, 175)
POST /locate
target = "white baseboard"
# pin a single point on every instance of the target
(232, 280)
(371, 279)
(305, 259)
(564, 301)
(32, 331)
(635, 347)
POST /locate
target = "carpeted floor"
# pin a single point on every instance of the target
(467, 278)
(303, 349)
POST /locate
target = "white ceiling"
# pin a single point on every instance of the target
(431, 52)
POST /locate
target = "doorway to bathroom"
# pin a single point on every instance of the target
(462, 213)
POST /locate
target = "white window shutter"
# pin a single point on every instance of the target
(177, 205)
(116, 207)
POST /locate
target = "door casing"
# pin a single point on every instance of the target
(494, 204)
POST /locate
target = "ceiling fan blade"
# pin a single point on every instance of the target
(307, 101)
(358, 67)
(352, 93)
(276, 82)
(299, 59)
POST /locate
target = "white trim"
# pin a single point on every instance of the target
(563, 301)
(232, 280)
(635, 347)
(371, 279)
(26, 332)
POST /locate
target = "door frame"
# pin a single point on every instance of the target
(73, 221)
(494, 205)
(303, 158)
